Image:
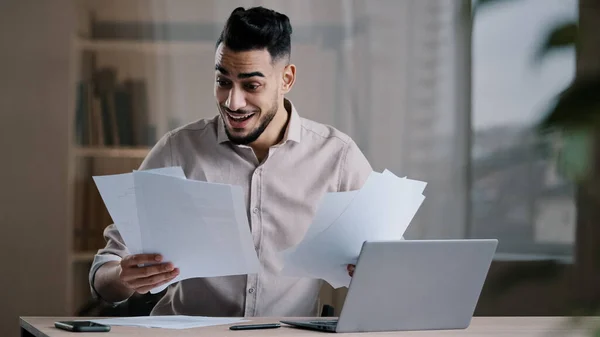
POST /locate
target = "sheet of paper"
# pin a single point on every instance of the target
(416, 185)
(381, 210)
(117, 192)
(330, 208)
(201, 227)
(169, 322)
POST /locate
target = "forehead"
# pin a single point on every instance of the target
(244, 61)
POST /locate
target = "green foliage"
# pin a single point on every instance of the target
(577, 107)
(479, 5)
(562, 36)
(574, 158)
(575, 116)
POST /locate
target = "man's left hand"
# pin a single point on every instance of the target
(350, 269)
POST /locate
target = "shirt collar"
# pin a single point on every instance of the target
(293, 131)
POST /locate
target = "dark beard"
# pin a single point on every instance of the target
(254, 134)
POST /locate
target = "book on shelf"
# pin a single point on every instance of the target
(109, 112)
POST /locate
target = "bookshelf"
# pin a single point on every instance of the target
(112, 152)
(137, 76)
(77, 257)
(113, 129)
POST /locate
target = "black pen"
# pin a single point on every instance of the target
(255, 326)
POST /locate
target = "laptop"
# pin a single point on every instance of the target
(412, 285)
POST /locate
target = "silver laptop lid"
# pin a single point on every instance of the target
(416, 285)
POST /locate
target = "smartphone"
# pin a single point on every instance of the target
(82, 326)
(255, 326)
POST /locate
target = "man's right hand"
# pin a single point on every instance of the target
(153, 272)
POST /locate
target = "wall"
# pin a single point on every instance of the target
(34, 105)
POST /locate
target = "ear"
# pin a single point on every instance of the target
(288, 78)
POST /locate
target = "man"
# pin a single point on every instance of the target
(285, 164)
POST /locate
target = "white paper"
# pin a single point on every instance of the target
(200, 227)
(118, 193)
(330, 208)
(169, 322)
(415, 185)
(381, 210)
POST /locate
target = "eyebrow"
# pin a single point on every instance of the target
(240, 75)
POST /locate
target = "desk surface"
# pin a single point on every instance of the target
(480, 326)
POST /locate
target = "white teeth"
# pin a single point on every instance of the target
(240, 117)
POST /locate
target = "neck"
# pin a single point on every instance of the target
(274, 133)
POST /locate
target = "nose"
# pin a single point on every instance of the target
(235, 100)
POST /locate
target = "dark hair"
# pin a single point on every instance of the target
(258, 28)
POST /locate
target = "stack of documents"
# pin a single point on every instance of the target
(202, 228)
(380, 211)
(169, 322)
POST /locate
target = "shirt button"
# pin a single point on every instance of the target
(255, 210)
(251, 290)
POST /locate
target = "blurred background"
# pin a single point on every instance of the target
(445, 91)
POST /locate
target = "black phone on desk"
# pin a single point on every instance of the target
(82, 326)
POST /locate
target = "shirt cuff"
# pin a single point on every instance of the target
(99, 260)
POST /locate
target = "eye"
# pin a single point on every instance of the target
(252, 86)
(223, 83)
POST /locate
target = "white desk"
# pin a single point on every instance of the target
(480, 326)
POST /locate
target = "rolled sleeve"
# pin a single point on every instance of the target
(99, 260)
(114, 250)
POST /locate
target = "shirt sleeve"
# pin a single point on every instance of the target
(115, 249)
(355, 168)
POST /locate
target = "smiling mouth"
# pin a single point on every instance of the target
(239, 121)
(240, 118)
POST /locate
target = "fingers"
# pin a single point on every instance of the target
(350, 269)
(145, 289)
(143, 285)
(132, 273)
(140, 259)
(142, 272)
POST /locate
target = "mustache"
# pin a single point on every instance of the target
(239, 111)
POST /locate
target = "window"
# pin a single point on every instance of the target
(516, 194)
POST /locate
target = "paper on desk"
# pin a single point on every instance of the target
(202, 228)
(381, 210)
(169, 322)
(118, 193)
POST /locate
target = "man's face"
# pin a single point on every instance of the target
(247, 89)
